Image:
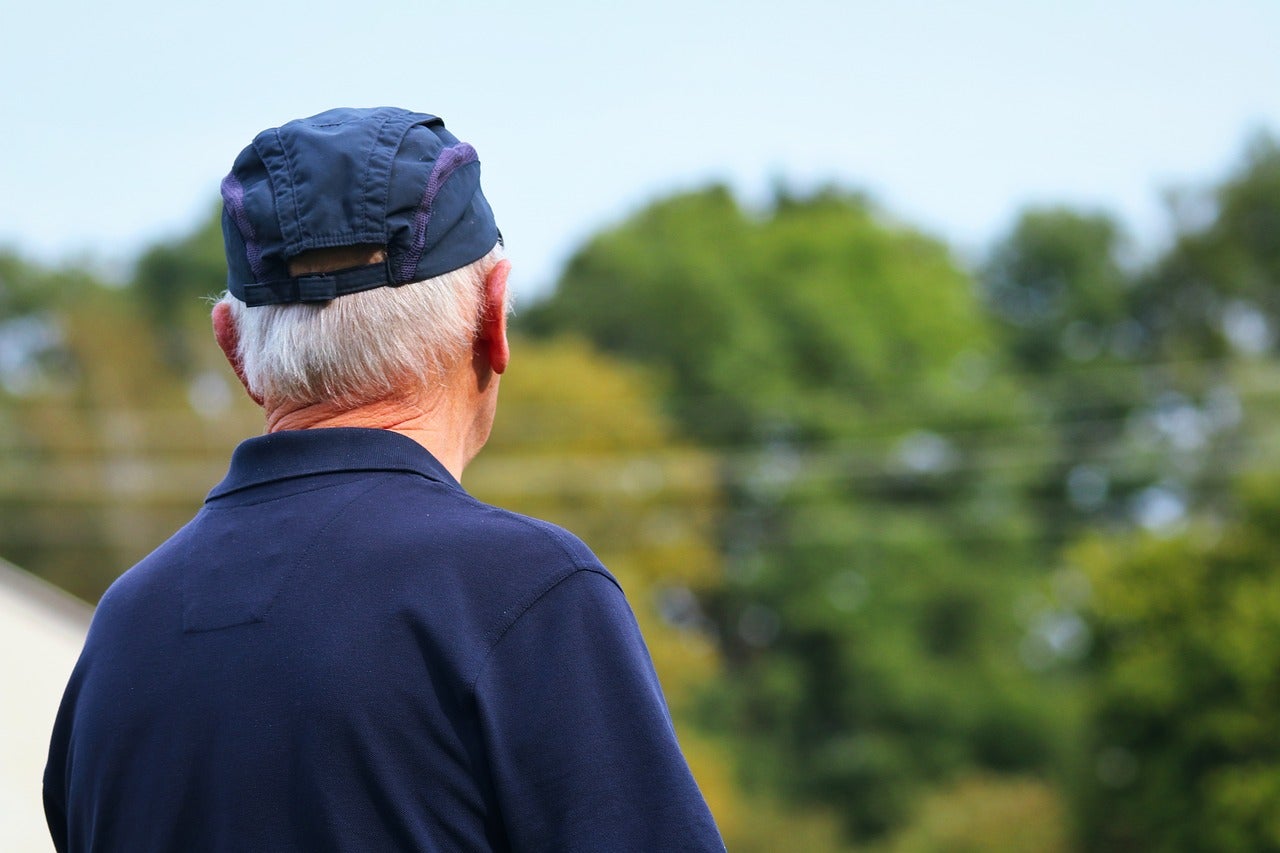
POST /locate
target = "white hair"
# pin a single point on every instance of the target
(365, 346)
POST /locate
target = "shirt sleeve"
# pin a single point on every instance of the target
(581, 748)
(55, 771)
(55, 813)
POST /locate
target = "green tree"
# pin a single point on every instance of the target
(843, 372)
(793, 324)
(1184, 727)
(1180, 751)
(1058, 287)
(1217, 290)
(1067, 309)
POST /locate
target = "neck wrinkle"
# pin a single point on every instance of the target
(435, 425)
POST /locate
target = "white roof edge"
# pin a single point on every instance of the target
(64, 605)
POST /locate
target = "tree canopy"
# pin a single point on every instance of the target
(874, 556)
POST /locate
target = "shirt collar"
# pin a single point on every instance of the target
(301, 453)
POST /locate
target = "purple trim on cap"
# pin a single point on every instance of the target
(233, 198)
(450, 160)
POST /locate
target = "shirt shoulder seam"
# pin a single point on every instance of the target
(533, 602)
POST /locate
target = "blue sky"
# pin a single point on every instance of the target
(120, 119)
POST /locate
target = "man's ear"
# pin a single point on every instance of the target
(491, 342)
(228, 338)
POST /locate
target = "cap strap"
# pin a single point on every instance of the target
(318, 287)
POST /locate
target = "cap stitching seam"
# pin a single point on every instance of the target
(386, 196)
(233, 199)
(448, 161)
(293, 183)
(368, 167)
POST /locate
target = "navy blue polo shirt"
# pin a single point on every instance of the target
(345, 651)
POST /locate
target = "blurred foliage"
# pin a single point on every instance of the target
(773, 326)
(1215, 291)
(927, 560)
(1056, 284)
(1064, 305)
(1167, 422)
(1134, 363)
(979, 814)
(169, 282)
(105, 447)
(1181, 750)
(845, 371)
(1184, 718)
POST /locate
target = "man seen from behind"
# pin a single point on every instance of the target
(343, 650)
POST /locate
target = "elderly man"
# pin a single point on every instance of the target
(343, 650)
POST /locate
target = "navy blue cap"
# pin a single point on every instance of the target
(383, 177)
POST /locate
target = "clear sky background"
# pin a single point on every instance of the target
(120, 119)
